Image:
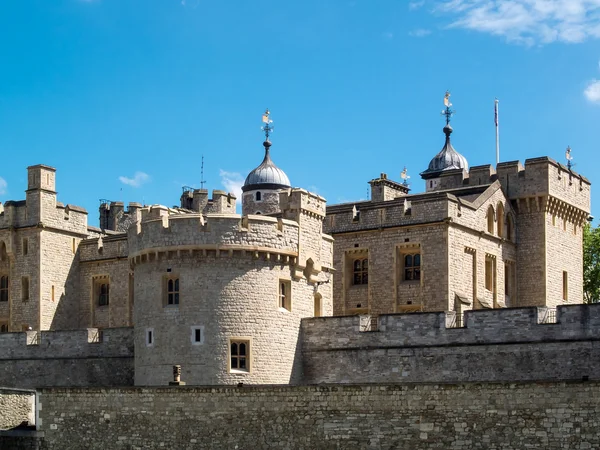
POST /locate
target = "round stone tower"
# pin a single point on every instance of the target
(263, 185)
(222, 295)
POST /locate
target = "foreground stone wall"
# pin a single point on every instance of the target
(419, 416)
(495, 345)
(67, 358)
(16, 408)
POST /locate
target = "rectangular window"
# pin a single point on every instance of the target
(197, 336)
(412, 266)
(25, 246)
(103, 293)
(172, 290)
(25, 288)
(239, 351)
(285, 294)
(360, 271)
(489, 273)
(4, 288)
(149, 337)
(565, 286)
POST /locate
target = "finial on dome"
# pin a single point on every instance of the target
(447, 111)
(267, 127)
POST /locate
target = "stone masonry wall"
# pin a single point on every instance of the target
(67, 358)
(551, 416)
(16, 408)
(105, 261)
(495, 345)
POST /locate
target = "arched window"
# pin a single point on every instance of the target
(103, 294)
(4, 328)
(490, 220)
(3, 255)
(173, 291)
(318, 305)
(360, 271)
(258, 196)
(500, 213)
(4, 288)
(510, 228)
(239, 355)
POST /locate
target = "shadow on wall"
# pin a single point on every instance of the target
(67, 315)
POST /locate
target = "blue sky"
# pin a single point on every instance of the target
(124, 97)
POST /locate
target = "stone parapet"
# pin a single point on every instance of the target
(222, 233)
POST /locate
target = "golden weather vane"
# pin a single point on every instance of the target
(447, 112)
(267, 127)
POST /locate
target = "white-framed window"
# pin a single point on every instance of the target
(239, 355)
(285, 294)
(150, 337)
(197, 335)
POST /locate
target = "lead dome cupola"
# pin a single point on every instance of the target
(448, 158)
(267, 175)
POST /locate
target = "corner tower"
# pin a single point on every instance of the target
(260, 193)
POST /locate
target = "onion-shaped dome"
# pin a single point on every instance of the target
(447, 159)
(267, 175)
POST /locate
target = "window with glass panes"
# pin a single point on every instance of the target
(412, 267)
(173, 291)
(240, 351)
(360, 271)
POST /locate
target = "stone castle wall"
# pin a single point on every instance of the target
(554, 415)
(105, 260)
(17, 407)
(495, 345)
(67, 358)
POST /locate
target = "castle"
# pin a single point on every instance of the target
(226, 293)
(311, 298)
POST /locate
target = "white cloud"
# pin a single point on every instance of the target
(138, 179)
(3, 186)
(592, 91)
(233, 182)
(529, 22)
(419, 32)
(388, 35)
(414, 5)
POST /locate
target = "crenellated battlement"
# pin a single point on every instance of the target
(160, 231)
(539, 177)
(104, 247)
(481, 327)
(85, 343)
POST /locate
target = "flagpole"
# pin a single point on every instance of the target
(497, 132)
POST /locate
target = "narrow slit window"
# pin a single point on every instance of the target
(4, 288)
(25, 288)
(565, 286)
